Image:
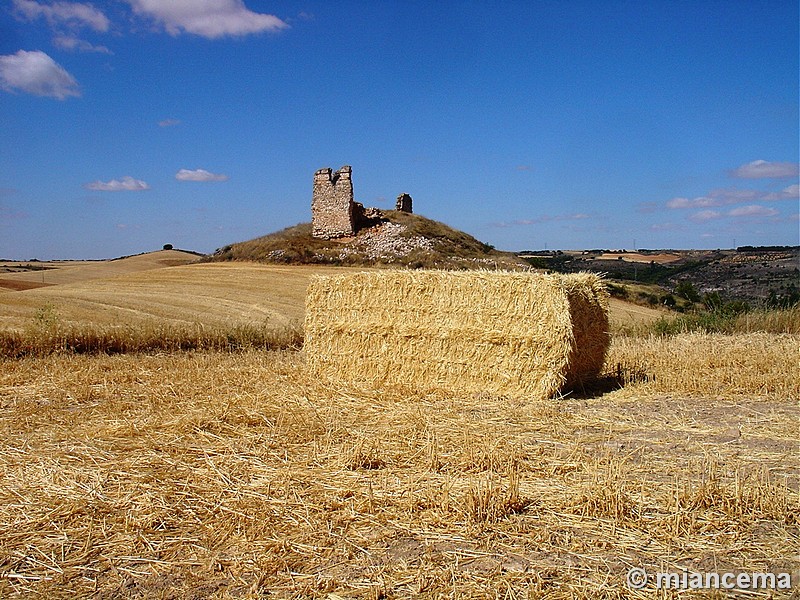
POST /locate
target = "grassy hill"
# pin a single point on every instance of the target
(399, 239)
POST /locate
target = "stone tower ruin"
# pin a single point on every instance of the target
(334, 212)
(332, 206)
(403, 203)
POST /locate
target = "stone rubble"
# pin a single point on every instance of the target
(385, 241)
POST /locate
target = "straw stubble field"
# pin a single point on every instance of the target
(238, 475)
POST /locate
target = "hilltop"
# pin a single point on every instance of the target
(396, 238)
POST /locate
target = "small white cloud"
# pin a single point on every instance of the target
(199, 175)
(733, 195)
(169, 122)
(704, 215)
(664, 227)
(68, 42)
(727, 196)
(126, 184)
(762, 169)
(753, 210)
(207, 18)
(67, 13)
(36, 73)
(699, 202)
(679, 203)
(790, 193)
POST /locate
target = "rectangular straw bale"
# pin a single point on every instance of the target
(477, 331)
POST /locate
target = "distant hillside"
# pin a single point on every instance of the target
(23, 276)
(399, 238)
(756, 275)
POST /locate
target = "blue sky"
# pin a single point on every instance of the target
(128, 124)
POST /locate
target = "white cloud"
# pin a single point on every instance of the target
(693, 203)
(718, 197)
(727, 196)
(705, 215)
(753, 210)
(68, 13)
(207, 18)
(665, 227)
(126, 184)
(36, 73)
(199, 175)
(761, 169)
(790, 193)
(168, 122)
(68, 42)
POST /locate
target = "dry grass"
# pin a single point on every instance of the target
(234, 475)
(772, 320)
(785, 320)
(755, 364)
(47, 338)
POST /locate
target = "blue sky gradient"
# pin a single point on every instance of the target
(125, 125)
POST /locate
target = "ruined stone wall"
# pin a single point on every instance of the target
(332, 210)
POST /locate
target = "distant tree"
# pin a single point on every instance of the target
(167, 246)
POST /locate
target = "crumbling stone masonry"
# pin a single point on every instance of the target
(332, 206)
(334, 213)
(403, 203)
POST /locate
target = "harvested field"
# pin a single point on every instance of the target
(212, 294)
(235, 475)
